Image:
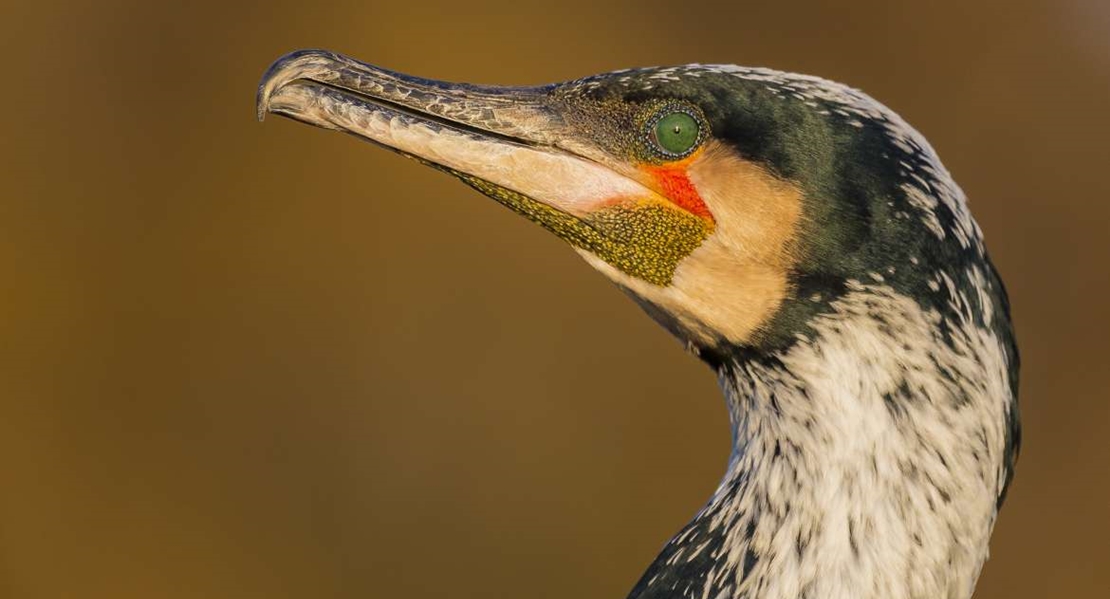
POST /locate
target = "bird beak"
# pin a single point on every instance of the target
(511, 143)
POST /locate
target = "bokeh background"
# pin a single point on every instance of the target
(263, 360)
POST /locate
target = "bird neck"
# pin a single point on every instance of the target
(867, 463)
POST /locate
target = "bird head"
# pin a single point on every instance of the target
(733, 204)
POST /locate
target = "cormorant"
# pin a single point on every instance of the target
(801, 239)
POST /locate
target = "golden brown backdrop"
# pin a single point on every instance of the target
(262, 360)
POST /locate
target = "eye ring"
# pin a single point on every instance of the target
(676, 143)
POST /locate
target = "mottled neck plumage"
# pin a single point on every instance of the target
(868, 462)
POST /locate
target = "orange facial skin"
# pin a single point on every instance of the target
(671, 181)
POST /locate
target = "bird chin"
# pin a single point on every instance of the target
(660, 304)
(713, 300)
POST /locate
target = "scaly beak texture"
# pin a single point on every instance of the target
(501, 135)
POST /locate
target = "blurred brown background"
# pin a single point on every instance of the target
(263, 360)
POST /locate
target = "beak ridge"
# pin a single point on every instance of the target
(524, 114)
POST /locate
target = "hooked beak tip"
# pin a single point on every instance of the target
(282, 71)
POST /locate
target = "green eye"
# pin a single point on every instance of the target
(676, 133)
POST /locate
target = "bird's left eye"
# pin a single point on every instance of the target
(676, 133)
